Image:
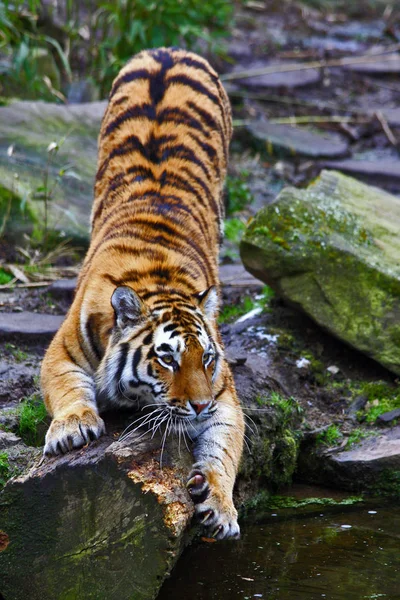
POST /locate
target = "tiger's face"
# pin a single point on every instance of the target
(165, 355)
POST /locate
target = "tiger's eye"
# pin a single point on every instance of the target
(168, 359)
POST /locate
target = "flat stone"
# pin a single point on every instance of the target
(386, 65)
(295, 140)
(377, 452)
(287, 79)
(29, 326)
(63, 288)
(236, 275)
(383, 169)
(389, 416)
(8, 439)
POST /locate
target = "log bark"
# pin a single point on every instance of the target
(103, 522)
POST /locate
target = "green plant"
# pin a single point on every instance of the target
(5, 469)
(329, 437)
(287, 406)
(31, 60)
(5, 277)
(33, 420)
(356, 436)
(234, 311)
(17, 353)
(234, 229)
(125, 27)
(238, 193)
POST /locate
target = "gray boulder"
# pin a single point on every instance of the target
(333, 251)
(27, 129)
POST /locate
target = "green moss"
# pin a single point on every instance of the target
(357, 435)
(286, 406)
(5, 277)
(381, 397)
(33, 421)
(264, 501)
(234, 311)
(330, 437)
(234, 229)
(6, 471)
(18, 354)
(238, 192)
(388, 484)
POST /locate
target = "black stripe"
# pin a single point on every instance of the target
(148, 339)
(157, 82)
(204, 187)
(140, 111)
(150, 151)
(165, 347)
(192, 62)
(128, 77)
(209, 150)
(196, 86)
(93, 337)
(212, 123)
(170, 327)
(84, 350)
(123, 353)
(135, 362)
(178, 115)
(206, 117)
(183, 152)
(70, 355)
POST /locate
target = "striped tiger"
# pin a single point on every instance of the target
(143, 321)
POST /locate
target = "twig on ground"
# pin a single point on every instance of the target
(385, 126)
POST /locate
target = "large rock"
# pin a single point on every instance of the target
(26, 131)
(333, 250)
(370, 466)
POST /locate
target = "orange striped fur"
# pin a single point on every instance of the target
(142, 327)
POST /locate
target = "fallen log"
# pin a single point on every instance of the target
(107, 522)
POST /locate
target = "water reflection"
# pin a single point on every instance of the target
(343, 556)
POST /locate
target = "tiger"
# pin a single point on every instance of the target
(143, 322)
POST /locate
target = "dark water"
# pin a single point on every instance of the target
(349, 555)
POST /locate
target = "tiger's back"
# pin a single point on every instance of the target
(143, 321)
(163, 149)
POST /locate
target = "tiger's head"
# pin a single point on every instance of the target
(165, 353)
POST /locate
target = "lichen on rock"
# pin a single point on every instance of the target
(333, 250)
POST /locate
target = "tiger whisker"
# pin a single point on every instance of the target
(164, 439)
(149, 419)
(157, 426)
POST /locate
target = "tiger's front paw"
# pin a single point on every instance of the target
(73, 431)
(215, 511)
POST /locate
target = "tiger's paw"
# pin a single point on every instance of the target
(73, 431)
(215, 512)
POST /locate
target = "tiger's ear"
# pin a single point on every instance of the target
(127, 306)
(208, 302)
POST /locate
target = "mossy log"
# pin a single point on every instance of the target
(106, 522)
(103, 522)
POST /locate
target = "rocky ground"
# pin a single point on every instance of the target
(317, 409)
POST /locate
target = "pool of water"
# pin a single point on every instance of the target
(349, 555)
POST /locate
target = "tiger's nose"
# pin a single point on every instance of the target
(199, 406)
